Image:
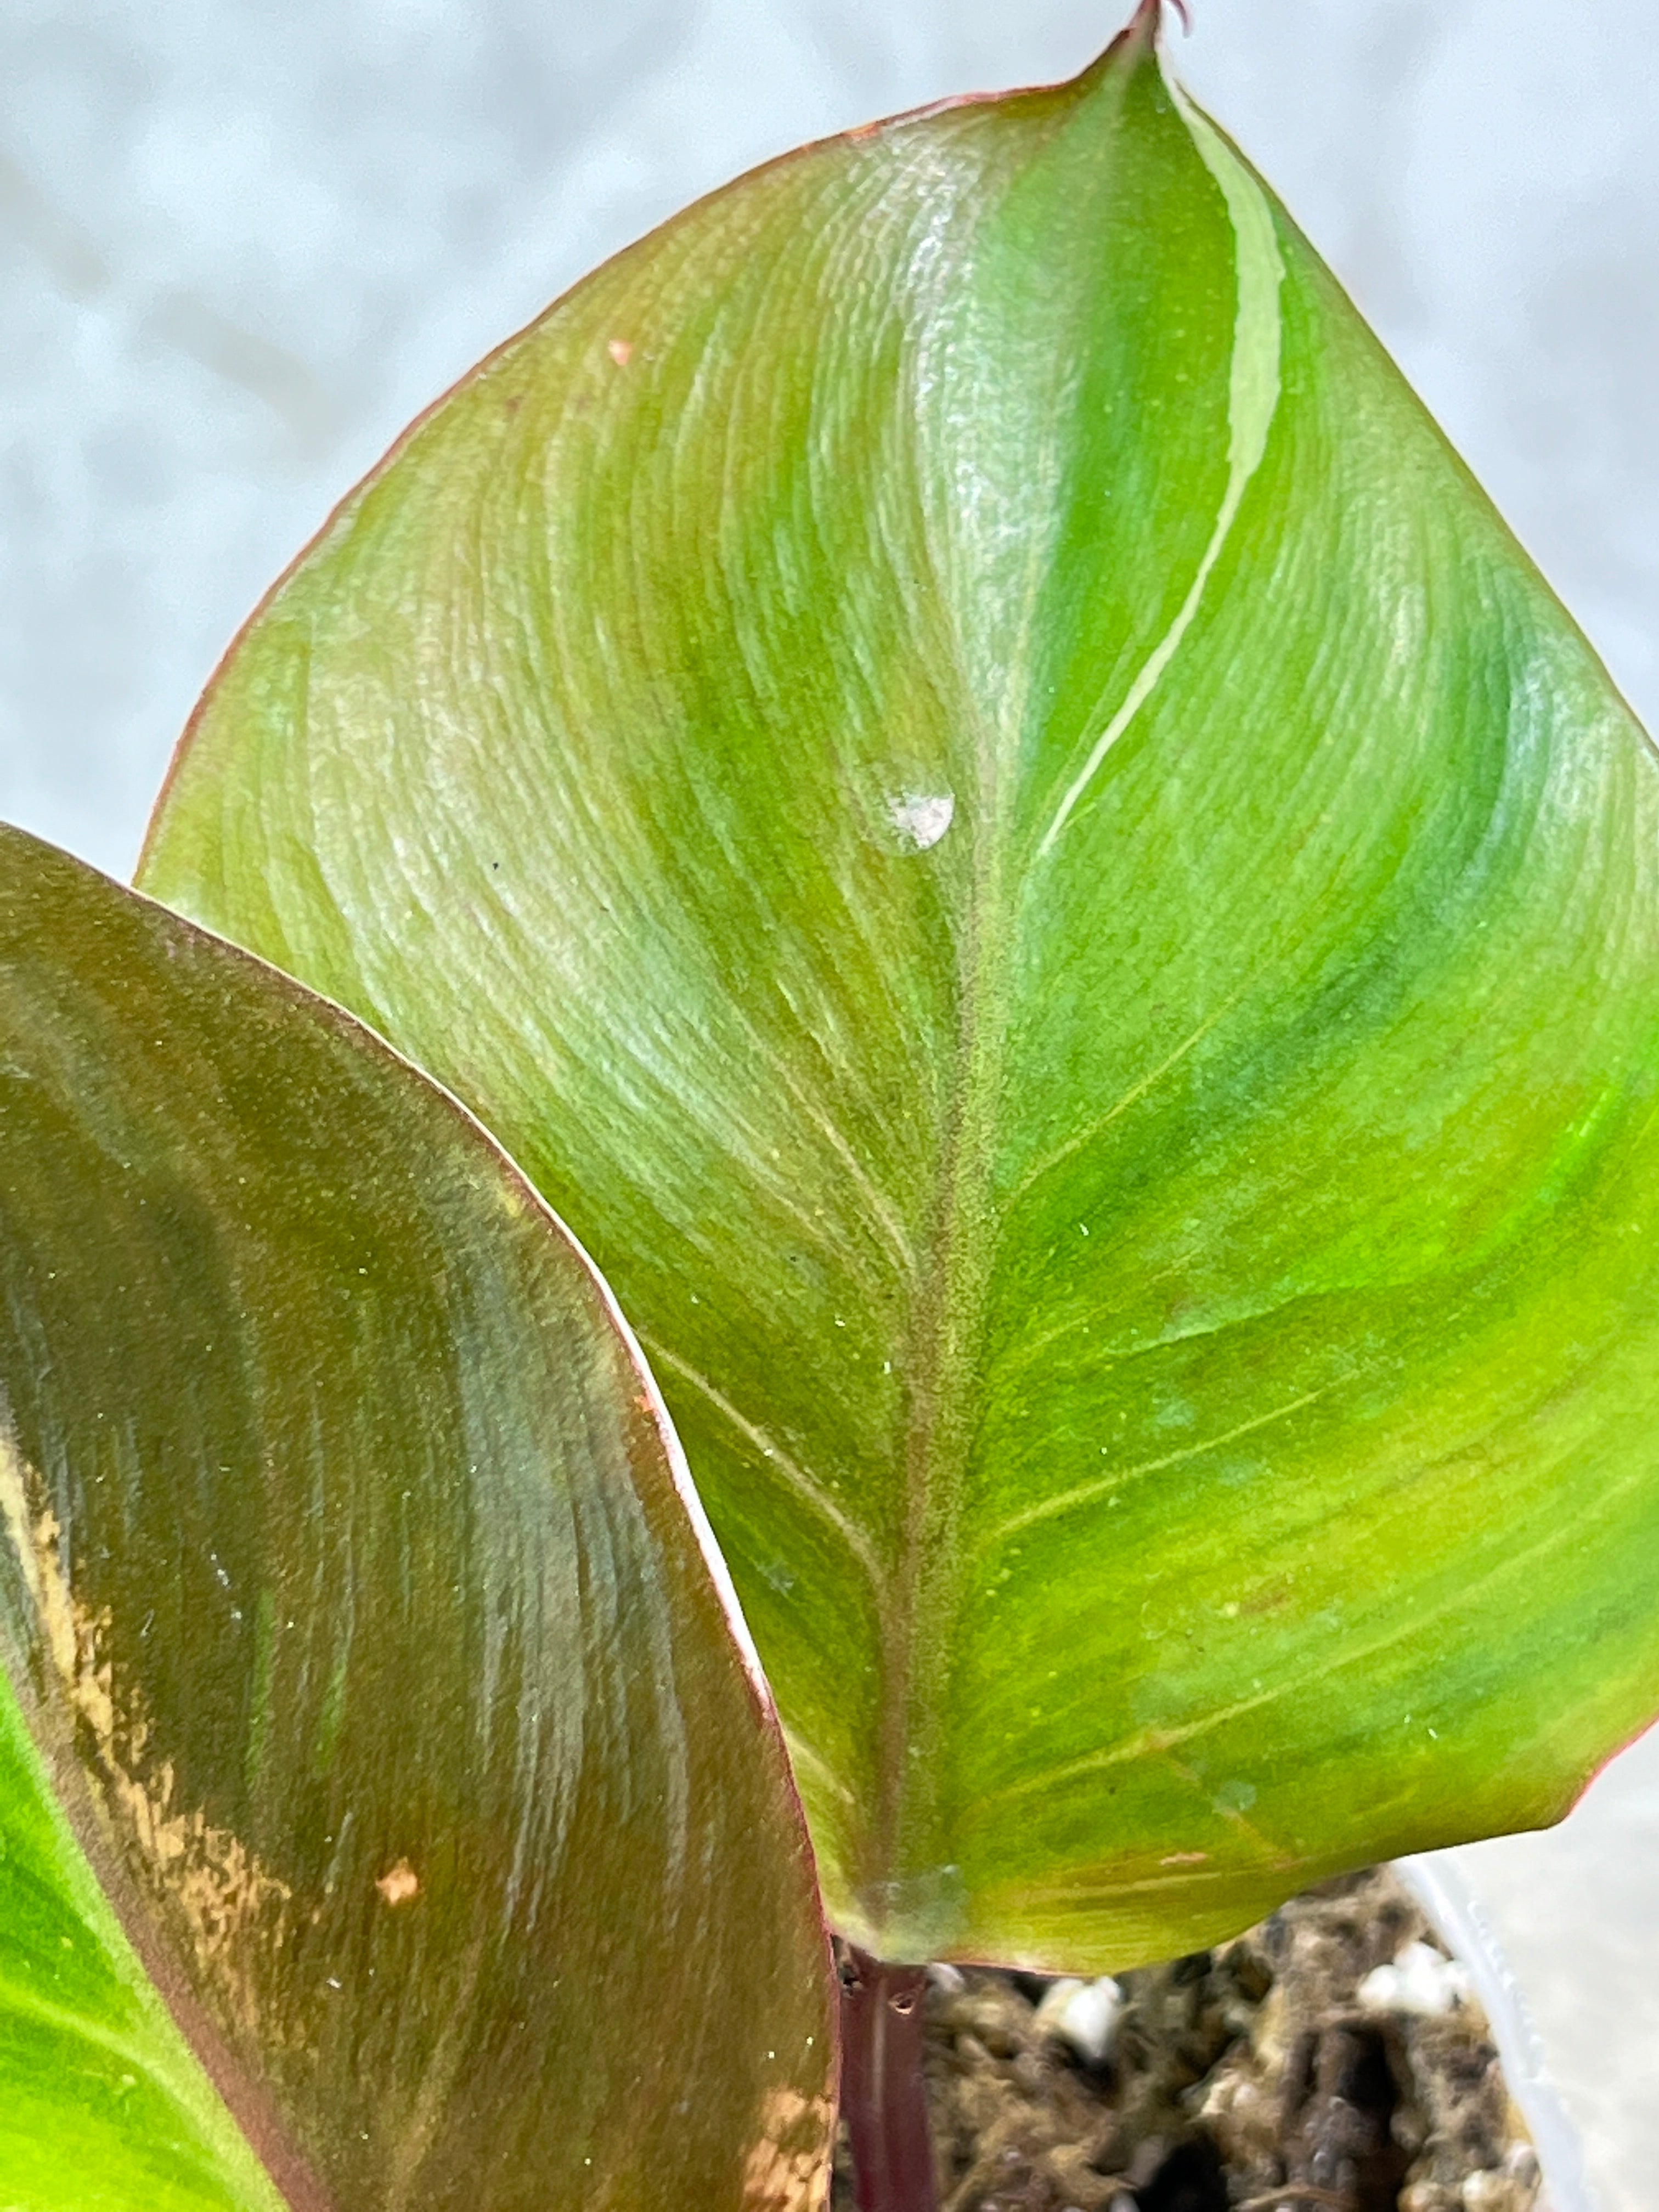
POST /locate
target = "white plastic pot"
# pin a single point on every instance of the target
(1451, 1904)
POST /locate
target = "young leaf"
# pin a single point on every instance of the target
(388, 1819)
(947, 752)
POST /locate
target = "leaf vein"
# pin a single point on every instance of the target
(794, 1478)
(1102, 1485)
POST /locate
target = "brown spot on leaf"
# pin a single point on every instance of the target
(398, 1883)
(621, 352)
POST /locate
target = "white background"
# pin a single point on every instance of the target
(241, 241)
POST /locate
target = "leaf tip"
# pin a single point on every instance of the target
(1148, 22)
(1138, 41)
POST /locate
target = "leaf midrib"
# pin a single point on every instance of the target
(908, 1838)
(908, 1832)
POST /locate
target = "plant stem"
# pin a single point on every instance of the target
(881, 2087)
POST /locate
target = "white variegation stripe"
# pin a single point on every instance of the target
(1252, 401)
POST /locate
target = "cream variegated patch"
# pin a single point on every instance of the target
(789, 2168)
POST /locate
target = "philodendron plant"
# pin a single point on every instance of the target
(947, 759)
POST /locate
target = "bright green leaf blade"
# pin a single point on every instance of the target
(351, 1594)
(947, 751)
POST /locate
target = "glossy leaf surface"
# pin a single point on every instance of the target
(947, 753)
(388, 1817)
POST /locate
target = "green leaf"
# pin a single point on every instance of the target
(388, 1815)
(945, 752)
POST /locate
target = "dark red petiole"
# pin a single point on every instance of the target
(881, 2086)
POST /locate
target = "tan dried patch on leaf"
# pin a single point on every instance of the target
(205, 1880)
(399, 1884)
(788, 2168)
